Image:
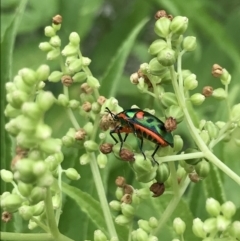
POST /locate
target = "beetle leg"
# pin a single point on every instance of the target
(141, 142)
(156, 149)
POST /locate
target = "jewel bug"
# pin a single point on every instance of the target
(143, 125)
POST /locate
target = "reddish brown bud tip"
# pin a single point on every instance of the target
(207, 91)
(194, 177)
(67, 80)
(86, 88)
(170, 124)
(101, 99)
(87, 106)
(127, 155)
(157, 189)
(21, 151)
(217, 70)
(57, 19)
(146, 79)
(106, 148)
(6, 216)
(134, 78)
(128, 189)
(127, 198)
(160, 14)
(120, 181)
(80, 135)
(170, 17)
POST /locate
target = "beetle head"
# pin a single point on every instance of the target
(114, 117)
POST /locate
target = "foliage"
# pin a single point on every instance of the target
(59, 130)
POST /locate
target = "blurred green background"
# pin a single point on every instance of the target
(110, 39)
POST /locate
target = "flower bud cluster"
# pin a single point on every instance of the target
(220, 223)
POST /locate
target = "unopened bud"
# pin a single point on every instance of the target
(72, 174)
(179, 25)
(189, 43)
(197, 228)
(219, 94)
(157, 189)
(55, 76)
(157, 46)
(179, 226)
(217, 70)
(79, 77)
(53, 54)
(166, 57)
(213, 207)
(228, 209)
(162, 27)
(197, 99)
(74, 39)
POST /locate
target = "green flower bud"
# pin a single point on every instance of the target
(43, 131)
(135, 199)
(55, 41)
(175, 239)
(162, 173)
(144, 193)
(42, 72)
(210, 225)
(119, 193)
(220, 124)
(93, 82)
(219, 94)
(86, 61)
(225, 77)
(165, 79)
(21, 85)
(228, 209)
(197, 99)
(189, 43)
(115, 205)
(178, 143)
(26, 125)
(213, 207)
(205, 136)
(18, 98)
(153, 222)
(91, 146)
(50, 146)
(6, 175)
(122, 220)
(175, 112)
(152, 238)
(74, 104)
(141, 165)
(144, 225)
(197, 228)
(166, 57)
(32, 225)
(234, 229)
(157, 46)
(142, 86)
(155, 68)
(75, 66)
(190, 82)
(11, 86)
(24, 188)
(26, 140)
(38, 208)
(70, 50)
(162, 27)
(72, 174)
(26, 212)
(141, 235)
(74, 39)
(53, 54)
(63, 100)
(25, 168)
(55, 76)
(102, 160)
(179, 25)
(79, 77)
(127, 210)
(45, 100)
(85, 159)
(46, 180)
(99, 236)
(31, 110)
(56, 201)
(45, 46)
(11, 112)
(222, 223)
(49, 31)
(235, 113)
(179, 226)
(168, 99)
(202, 168)
(68, 141)
(28, 76)
(37, 194)
(11, 202)
(39, 168)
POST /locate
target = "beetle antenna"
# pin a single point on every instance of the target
(107, 110)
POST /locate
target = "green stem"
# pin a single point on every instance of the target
(26, 236)
(40, 224)
(180, 157)
(174, 178)
(102, 197)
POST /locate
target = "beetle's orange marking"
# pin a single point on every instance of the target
(125, 129)
(122, 115)
(140, 114)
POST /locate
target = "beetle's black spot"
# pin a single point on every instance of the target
(161, 127)
(150, 120)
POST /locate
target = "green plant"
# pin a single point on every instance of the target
(41, 160)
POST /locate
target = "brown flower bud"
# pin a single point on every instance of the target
(57, 19)
(80, 135)
(15, 160)
(146, 79)
(157, 189)
(101, 100)
(207, 91)
(134, 78)
(21, 151)
(127, 198)
(127, 155)
(170, 124)
(106, 121)
(120, 181)
(217, 70)
(6, 216)
(128, 189)
(193, 176)
(87, 106)
(106, 148)
(86, 88)
(67, 80)
(160, 14)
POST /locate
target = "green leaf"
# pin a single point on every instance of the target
(111, 79)
(87, 204)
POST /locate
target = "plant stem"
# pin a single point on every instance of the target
(26, 236)
(180, 157)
